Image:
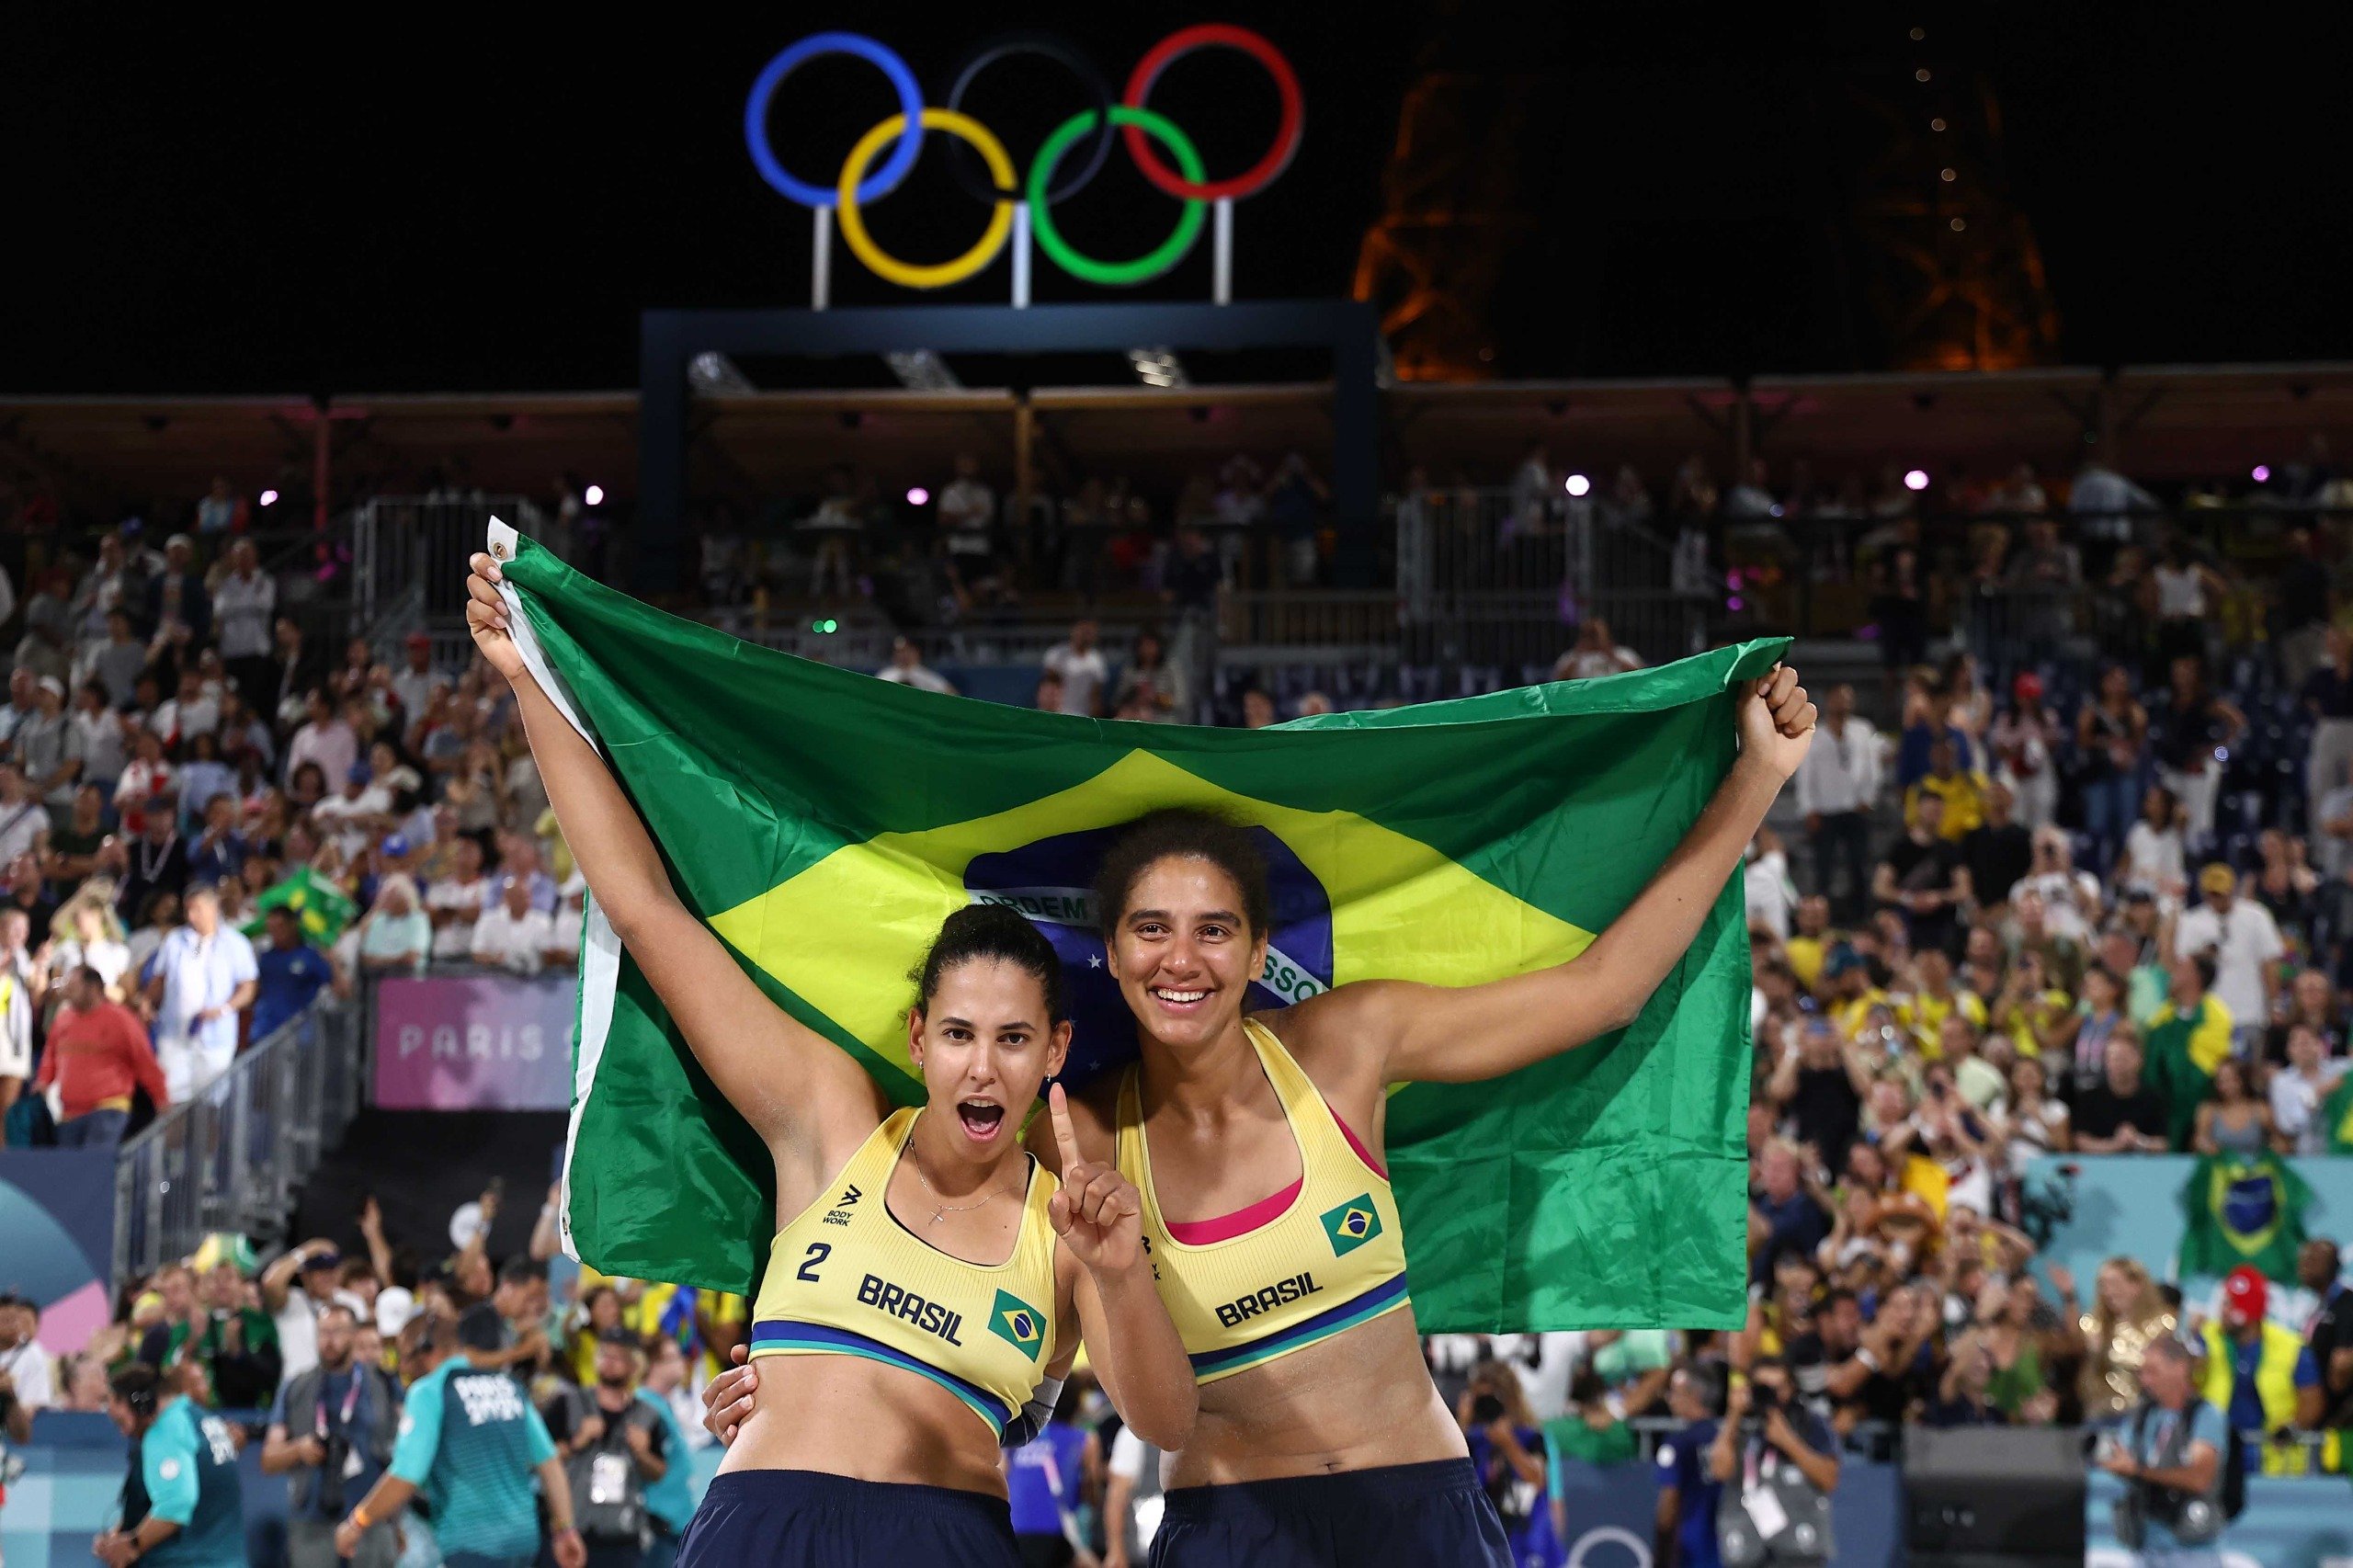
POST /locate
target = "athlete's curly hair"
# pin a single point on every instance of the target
(1182, 833)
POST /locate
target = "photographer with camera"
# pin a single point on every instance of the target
(331, 1431)
(2171, 1454)
(1779, 1466)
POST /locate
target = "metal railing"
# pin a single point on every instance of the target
(408, 552)
(1498, 626)
(231, 1156)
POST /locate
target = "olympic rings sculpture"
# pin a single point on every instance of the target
(1128, 120)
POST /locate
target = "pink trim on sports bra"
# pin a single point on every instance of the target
(1363, 1153)
(1242, 1222)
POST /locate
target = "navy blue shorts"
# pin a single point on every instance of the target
(1400, 1515)
(804, 1518)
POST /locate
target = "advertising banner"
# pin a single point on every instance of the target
(474, 1042)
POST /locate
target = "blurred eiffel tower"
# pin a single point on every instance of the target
(1450, 210)
(1936, 255)
(1953, 271)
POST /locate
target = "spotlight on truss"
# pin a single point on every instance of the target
(1158, 367)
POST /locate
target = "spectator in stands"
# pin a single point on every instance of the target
(97, 1054)
(2300, 1089)
(907, 669)
(416, 680)
(1157, 689)
(1079, 665)
(85, 930)
(2156, 860)
(2233, 1121)
(512, 934)
(2187, 1038)
(325, 739)
(1257, 709)
(1962, 790)
(23, 985)
(1594, 653)
(2329, 1334)
(2122, 1114)
(2260, 1374)
(1922, 877)
(47, 646)
(2024, 743)
(455, 898)
(394, 937)
(202, 976)
(2243, 941)
(24, 820)
(967, 516)
(179, 610)
(1998, 853)
(2196, 729)
(1837, 786)
(26, 1385)
(301, 1284)
(288, 973)
(99, 740)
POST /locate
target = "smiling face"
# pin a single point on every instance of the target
(1183, 951)
(984, 1044)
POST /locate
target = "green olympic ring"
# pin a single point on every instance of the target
(1113, 273)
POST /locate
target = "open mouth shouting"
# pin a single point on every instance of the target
(982, 1120)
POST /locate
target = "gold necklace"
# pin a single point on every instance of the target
(940, 1209)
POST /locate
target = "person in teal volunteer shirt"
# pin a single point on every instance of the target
(470, 1441)
(183, 1505)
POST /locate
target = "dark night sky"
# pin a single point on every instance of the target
(195, 205)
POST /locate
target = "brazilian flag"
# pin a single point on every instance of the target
(2336, 1115)
(824, 823)
(2243, 1210)
(322, 908)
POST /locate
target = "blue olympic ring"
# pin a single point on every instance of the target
(903, 81)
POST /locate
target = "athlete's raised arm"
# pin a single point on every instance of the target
(779, 1075)
(1463, 1034)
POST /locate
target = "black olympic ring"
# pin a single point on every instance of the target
(1054, 47)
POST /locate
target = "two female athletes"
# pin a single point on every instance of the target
(1251, 1147)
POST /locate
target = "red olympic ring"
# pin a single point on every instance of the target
(1176, 45)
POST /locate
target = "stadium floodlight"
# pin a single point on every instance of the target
(2262, 474)
(270, 497)
(1579, 484)
(1917, 479)
(1158, 367)
(921, 370)
(712, 371)
(917, 496)
(594, 495)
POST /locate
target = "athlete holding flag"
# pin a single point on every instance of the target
(915, 1279)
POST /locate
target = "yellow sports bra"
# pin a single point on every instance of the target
(847, 1279)
(1301, 1266)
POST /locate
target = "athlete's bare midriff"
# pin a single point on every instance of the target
(848, 1416)
(1357, 1400)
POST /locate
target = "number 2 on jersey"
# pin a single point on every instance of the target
(818, 1252)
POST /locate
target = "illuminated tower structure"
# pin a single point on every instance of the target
(1953, 273)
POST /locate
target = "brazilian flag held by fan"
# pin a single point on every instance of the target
(322, 908)
(2243, 1210)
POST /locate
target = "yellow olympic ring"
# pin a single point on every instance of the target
(908, 275)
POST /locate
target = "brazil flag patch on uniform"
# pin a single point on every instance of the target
(1351, 1224)
(1018, 1323)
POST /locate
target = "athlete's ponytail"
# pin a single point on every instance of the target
(992, 931)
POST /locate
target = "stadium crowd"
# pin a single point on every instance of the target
(2074, 916)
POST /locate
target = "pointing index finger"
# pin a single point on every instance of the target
(1057, 1107)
